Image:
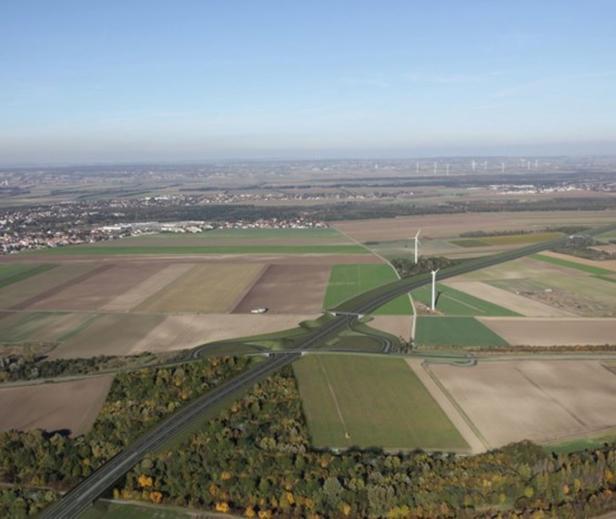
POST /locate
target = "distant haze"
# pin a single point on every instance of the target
(193, 80)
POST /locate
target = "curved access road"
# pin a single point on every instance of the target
(74, 502)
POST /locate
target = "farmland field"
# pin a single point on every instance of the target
(541, 401)
(548, 287)
(455, 331)
(33, 289)
(71, 406)
(553, 331)
(507, 239)
(107, 334)
(38, 326)
(452, 225)
(176, 332)
(572, 263)
(336, 390)
(347, 281)
(232, 241)
(516, 303)
(12, 273)
(204, 289)
(288, 289)
(454, 302)
(600, 268)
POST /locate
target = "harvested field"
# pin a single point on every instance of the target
(602, 267)
(510, 401)
(178, 332)
(204, 289)
(33, 289)
(418, 366)
(507, 239)
(111, 334)
(396, 325)
(163, 276)
(578, 294)
(336, 390)
(504, 298)
(553, 332)
(71, 406)
(288, 289)
(100, 288)
(450, 225)
(39, 326)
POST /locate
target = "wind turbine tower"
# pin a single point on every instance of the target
(417, 167)
(502, 167)
(474, 165)
(417, 246)
(434, 289)
(447, 169)
(435, 166)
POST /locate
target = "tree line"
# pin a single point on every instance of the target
(255, 459)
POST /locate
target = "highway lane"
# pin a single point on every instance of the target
(86, 492)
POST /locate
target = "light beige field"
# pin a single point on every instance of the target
(71, 406)
(397, 325)
(514, 302)
(288, 289)
(178, 332)
(510, 401)
(147, 288)
(553, 332)
(107, 334)
(99, 289)
(204, 289)
(449, 225)
(604, 264)
(420, 369)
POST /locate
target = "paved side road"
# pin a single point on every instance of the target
(85, 493)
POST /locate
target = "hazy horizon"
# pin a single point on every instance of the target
(150, 82)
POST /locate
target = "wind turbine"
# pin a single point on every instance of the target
(417, 246)
(434, 289)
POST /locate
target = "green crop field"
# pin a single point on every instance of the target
(455, 331)
(337, 390)
(12, 273)
(350, 280)
(213, 249)
(573, 265)
(454, 302)
(507, 239)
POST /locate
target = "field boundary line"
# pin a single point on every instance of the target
(242, 295)
(425, 365)
(551, 398)
(335, 399)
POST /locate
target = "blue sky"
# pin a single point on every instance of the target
(188, 80)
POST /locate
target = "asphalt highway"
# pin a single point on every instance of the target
(74, 502)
